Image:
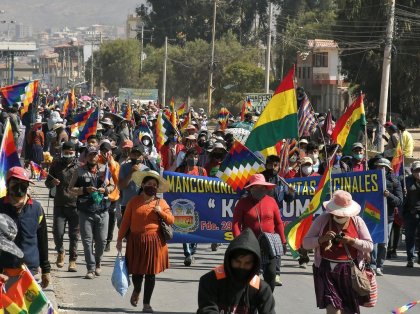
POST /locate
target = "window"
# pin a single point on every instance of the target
(299, 72)
(303, 73)
(320, 60)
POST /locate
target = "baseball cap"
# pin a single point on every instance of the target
(68, 146)
(127, 144)
(92, 149)
(8, 232)
(415, 165)
(306, 160)
(138, 148)
(105, 146)
(357, 145)
(388, 124)
(18, 173)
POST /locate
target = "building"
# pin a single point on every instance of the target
(70, 66)
(319, 73)
(133, 23)
(23, 31)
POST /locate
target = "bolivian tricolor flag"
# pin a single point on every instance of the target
(350, 125)
(69, 104)
(296, 230)
(372, 212)
(278, 120)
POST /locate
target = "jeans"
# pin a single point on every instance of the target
(189, 249)
(63, 215)
(278, 265)
(112, 219)
(93, 228)
(412, 224)
(378, 254)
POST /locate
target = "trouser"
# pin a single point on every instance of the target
(278, 265)
(394, 238)
(412, 228)
(303, 256)
(378, 254)
(189, 249)
(269, 272)
(63, 215)
(149, 286)
(120, 215)
(112, 219)
(93, 229)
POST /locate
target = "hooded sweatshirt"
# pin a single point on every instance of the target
(220, 292)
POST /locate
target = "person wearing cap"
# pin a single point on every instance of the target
(313, 153)
(146, 252)
(92, 140)
(236, 284)
(123, 131)
(65, 211)
(339, 166)
(215, 158)
(303, 144)
(336, 236)
(191, 130)
(35, 144)
(394, 199)
(189, 141)
(29, 216)
(280, 193)
(113, 168)
(407, 141)
(392, 141)
(411, 213)
(303, 169)
(357, 162)
(92, 185)
(125, 183)
(108, 127)
(170, 151)
(126, 147)
(260, 212)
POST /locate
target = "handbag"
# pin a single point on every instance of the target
(270, 243)
(359, 279)
(373, 295)
(167, 230)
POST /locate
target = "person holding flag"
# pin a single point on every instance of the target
(337, 236)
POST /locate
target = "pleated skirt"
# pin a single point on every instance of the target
(146, 254)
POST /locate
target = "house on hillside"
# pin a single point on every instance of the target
(318, 71)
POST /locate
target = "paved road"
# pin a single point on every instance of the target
(176, 289)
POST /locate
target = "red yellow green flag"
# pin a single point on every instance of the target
(278, 120)
(296, 230)
(69, 104)
(181, 110)
(173, 112)
(350, 126)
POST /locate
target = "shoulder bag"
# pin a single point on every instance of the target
(167, 230)
(270, 243)
(359, 279)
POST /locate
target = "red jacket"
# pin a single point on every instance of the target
(245, 216)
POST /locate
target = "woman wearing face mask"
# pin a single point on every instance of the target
(337, 236)
(260, 212)
(146, 251)
(305, 169)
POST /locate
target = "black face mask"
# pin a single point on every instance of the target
(150, 190)
(135, 161)
(241, 275)
(19, 190)
(67, 160)
(218, 156)
(201, 143)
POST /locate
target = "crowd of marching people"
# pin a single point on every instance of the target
(113, 178)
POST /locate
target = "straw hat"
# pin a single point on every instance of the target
(138, 177)
(259, 179)
(342, 205)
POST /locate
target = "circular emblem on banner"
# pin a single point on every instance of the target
(186, 218)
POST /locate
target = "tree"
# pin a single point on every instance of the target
(116, 64)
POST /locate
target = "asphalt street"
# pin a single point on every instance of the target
(176, 289)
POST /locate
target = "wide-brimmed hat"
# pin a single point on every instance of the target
(107, 121)
(57, 126)
(342, 205)
(8, 232)
(190, 127)
(383, 162)
(259, 179)
(218, 145)
(415, 165)
(138, 177)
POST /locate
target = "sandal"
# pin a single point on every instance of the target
(135, 296)
(147, 308)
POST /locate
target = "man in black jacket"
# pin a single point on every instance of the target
(65, 211)
(235, 286)
(32, 237)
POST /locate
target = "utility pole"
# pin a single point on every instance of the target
(267, 59)
(386, 68)
(164, 73)
(91, 69)
(213, 35)
(141, 51)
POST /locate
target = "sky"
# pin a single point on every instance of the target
(43, 14)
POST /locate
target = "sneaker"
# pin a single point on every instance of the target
(72, 267)
(107, 247)
(410, 264)
(60, 260)
(278, 281)
(98, 270)
(303, 265)
(188, 260)
(90, 275)
(147, 308)
(379, 272)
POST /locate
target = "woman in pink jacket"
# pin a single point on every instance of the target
(337, 236)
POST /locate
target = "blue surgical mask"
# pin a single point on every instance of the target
(358, 156)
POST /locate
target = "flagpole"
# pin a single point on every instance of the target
(403, 163)
(329, 170)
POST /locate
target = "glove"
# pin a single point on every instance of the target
(45, 280)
